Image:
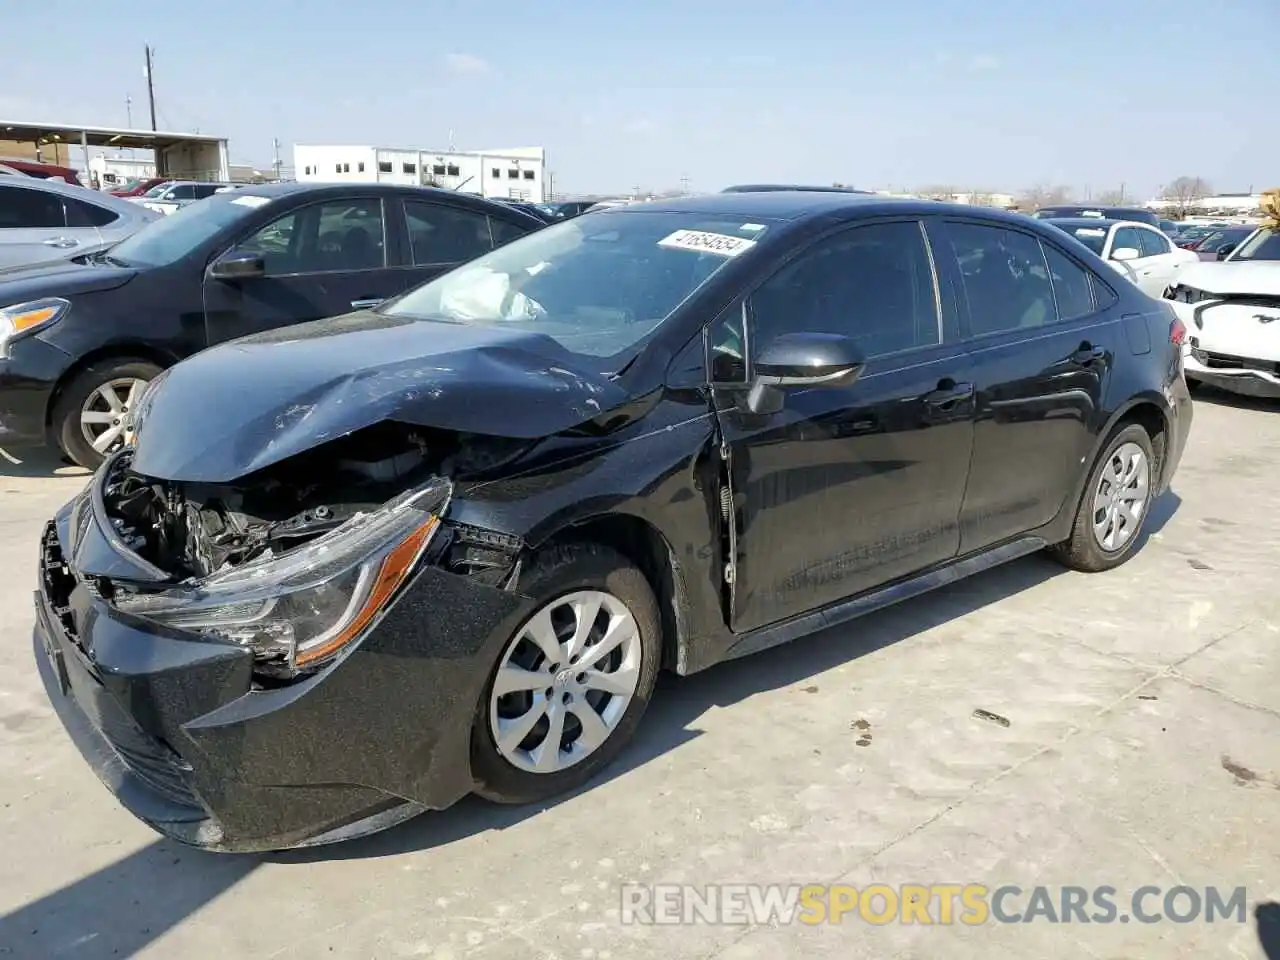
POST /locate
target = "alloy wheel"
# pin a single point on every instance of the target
(1121, 497)
(565, 681)
(104, 416)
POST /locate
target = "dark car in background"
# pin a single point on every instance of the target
(1218, 244)
(81, 339)
(788, 188)
(539, 210)
(1073, 210)
(355, 570)
(568, 209)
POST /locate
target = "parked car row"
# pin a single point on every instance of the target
(445, 542)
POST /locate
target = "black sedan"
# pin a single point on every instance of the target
(445, 546)
(80, 340)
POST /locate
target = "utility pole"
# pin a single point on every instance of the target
(128, 110)
(151, 90)
(1122, 193)
(275, 162)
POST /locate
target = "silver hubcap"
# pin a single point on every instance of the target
(104, 418)
(565, 681)
(1121, 497)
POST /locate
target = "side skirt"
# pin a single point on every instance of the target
(775, 634)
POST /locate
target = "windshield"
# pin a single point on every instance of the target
(1095, 238)
(169, 239)
(596, 285)
(158, 189)
(1263, 245)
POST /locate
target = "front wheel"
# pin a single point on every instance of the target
(1115, 504)
(92, 416)
(572, 683)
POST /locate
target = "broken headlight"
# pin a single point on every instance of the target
(299, 609)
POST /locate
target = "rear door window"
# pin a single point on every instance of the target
(1153, 244)
(1004, 278)
(1129, 238)
(439, 233)
(1071, 286)
(81, 214)
(21, 208)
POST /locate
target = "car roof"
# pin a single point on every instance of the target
(805, 204)
(292, 188)
(782, 187)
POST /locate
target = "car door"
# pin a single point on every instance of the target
(1124, 237)
(1042, 343)
(321, 259)
(1158, 267)
(441, 236)
(845, 488)
(33, 226)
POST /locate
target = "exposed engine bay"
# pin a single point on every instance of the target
(192, 530)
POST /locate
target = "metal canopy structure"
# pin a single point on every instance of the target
(181, 155)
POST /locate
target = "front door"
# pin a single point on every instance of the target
(322, 260)
(1042, 340)
(846, 487)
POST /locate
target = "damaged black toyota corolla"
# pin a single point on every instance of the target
(357, 569)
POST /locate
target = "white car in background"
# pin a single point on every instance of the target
(1231, 309)
(167, 198)
(1136, 250)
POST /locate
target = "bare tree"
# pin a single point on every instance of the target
(1044, 195)
(1111, 198)
(978, 198)
(1185, 194)
(938, 191)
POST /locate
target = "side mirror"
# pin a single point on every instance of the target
(238, 266)
(802, 360)
(1226, 250)
(1124, 254)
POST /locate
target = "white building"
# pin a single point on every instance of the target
(1230, 204)
(114, 169)
(518, 174)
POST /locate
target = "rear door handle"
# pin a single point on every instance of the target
(948, 394)
(1087, 354)
(367, 304)
(61, 243)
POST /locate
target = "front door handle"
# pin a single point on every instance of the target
(366, 304)
(1088, 354)
(62, 243)
(948, 394)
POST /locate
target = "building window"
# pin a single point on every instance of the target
(496, 173)
(308, 171)
(409, 167)
(384, 166)
(438, 169)
(360, 167)
(346, 168)
(337, 168)
(452, 170)
(513, 174)
(528, 174)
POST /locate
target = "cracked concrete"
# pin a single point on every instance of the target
(1141, 747)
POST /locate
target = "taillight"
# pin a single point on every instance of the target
(1177, 332)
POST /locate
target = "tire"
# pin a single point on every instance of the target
(554, 575)
(1082, 550)
(65, 419)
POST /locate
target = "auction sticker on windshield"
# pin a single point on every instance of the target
(249, 200)
(704, 242)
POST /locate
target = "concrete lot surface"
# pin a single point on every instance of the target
(1142, 747)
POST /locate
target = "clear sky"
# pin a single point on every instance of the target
(994, 95)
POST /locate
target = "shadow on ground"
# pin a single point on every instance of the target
(123, 907)
(1225, 398)
(1267, 916)
(37, 463)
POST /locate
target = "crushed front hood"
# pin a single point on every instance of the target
(245, 405)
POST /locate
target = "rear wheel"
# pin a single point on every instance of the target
(91, 417)
(573, 681)
(1115, 504)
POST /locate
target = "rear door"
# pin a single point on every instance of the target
(1042, 342)
(322, 259)
(1158, 268)
(33, 226)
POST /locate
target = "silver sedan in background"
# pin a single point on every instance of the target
(44, 220)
